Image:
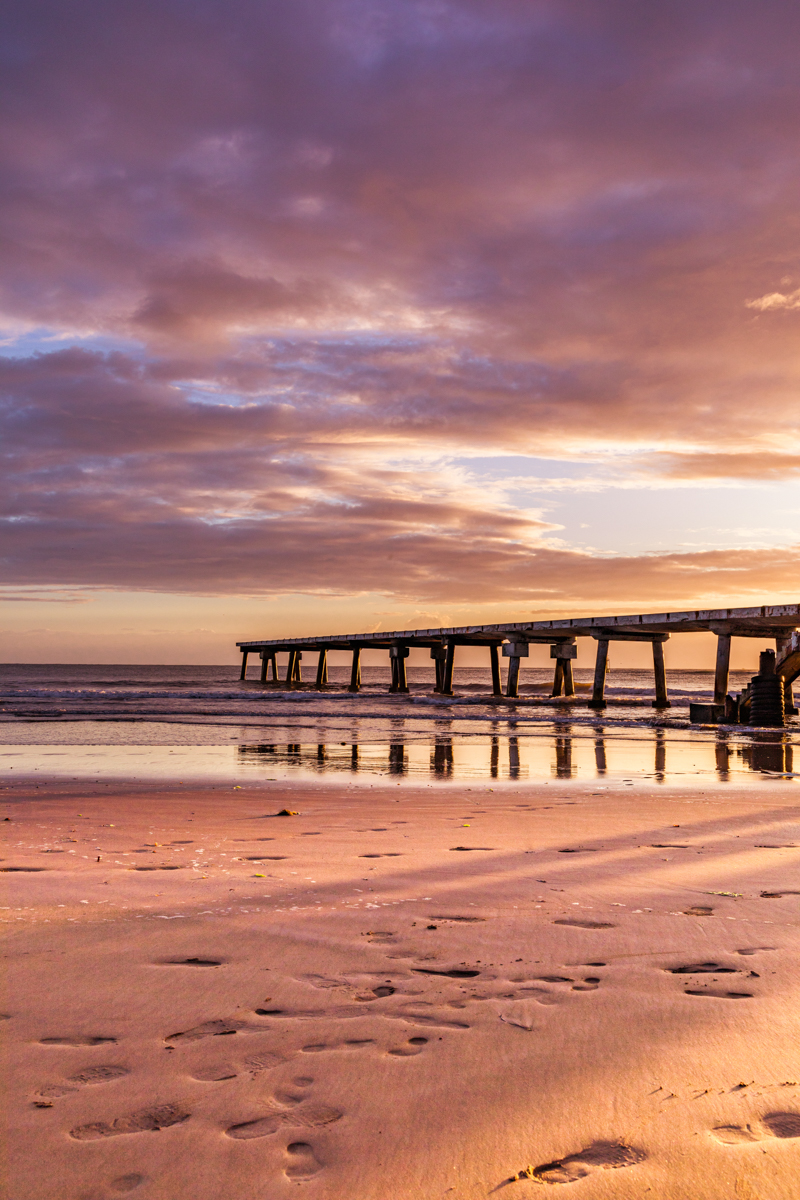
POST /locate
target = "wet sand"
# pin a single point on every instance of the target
(401, 992)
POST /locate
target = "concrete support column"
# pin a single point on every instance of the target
(438, 654)
(322, 668)
(660, 673)
(497, 688)
(298, 673)
(273, 658)
(598, 699)
(290, 666)
(355, 670)
(264, 665)
(512, 678)
(397, 657)
(244, 664)
(722, 668)
(447, 673)
(514, 651)
(563, 653)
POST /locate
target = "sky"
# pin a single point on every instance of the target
(348, 315)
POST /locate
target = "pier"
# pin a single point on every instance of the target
(780, 622)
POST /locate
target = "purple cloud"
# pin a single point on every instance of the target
(342, 245)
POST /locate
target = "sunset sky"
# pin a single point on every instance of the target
(337, 315)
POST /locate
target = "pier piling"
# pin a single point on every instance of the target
(722, 668)
(563, 683)
(397, 657)
(514, 651)
(598, 699)
(293, 670)
(497, 687)
(322, 669)
(659, 670)
(447, 673)
(438, 654)
(355, 671)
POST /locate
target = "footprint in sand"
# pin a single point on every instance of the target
(218, 1028)
(45, 1096)
(256, 1064)
(350, 1044)
(159, 867)
(412, 1017)
(259, 1127)
(590, 983)
(304, 1116)
(578, 924)
(521, 1014)
(587, 983)
(466, 920)
(705, 968)
(412, 1046)
(302, 1162)
(453, 973)
(600, 1156)
(774, 1124)
(709, 968)
(126, 1183)
(146, 1120)
(214, 1074)
(718, 993)
(189, 962)
(78, 1040)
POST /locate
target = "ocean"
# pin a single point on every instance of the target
(198, 722)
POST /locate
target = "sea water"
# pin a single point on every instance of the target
(204, 722)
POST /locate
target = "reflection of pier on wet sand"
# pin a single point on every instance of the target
(514, 639)
(564, 754)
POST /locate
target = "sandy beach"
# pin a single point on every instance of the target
(400, 992)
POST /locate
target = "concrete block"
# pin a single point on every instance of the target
(706, 714)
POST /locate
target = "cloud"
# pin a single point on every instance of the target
(775, 300)
(754, 465)
(344, 247)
